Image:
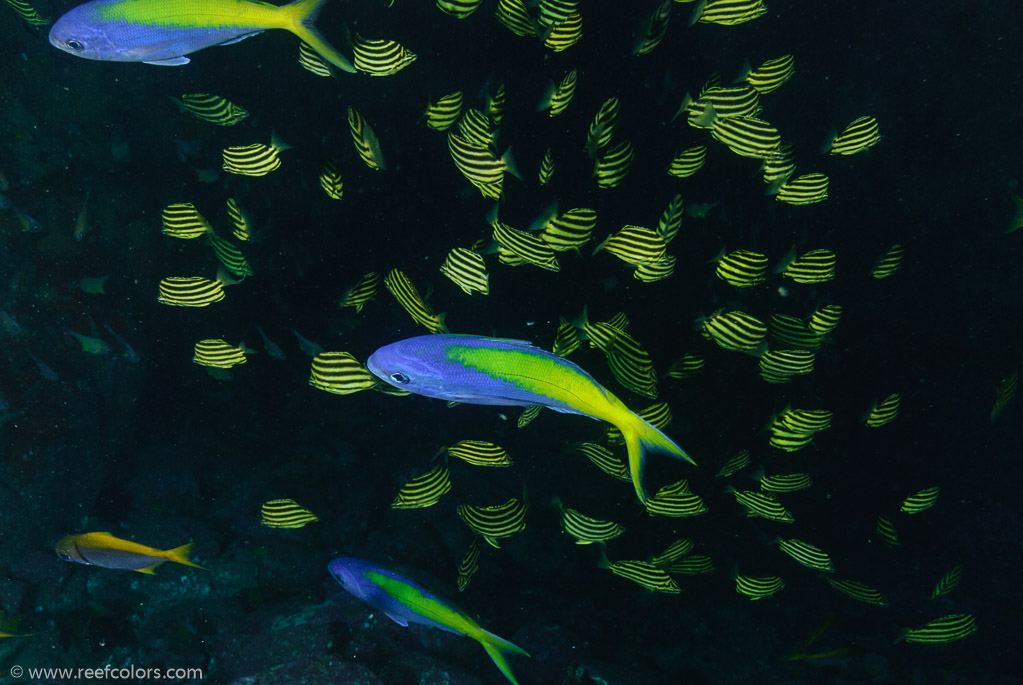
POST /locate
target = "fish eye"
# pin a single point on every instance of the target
(65, 557)
(399, 378)
(74, 44)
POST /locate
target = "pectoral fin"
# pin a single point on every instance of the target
(172, 62)
(400, 620)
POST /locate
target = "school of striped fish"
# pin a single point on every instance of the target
(723, 123)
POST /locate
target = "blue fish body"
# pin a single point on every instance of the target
(431, 371)
(164, 31)
(404, 601)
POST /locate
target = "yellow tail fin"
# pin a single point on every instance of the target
(183, 555)
(497, 648)
(304, 14)
(641, 437)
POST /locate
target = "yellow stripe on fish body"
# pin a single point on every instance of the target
(480, 453)
(424, 490)
(736, 463)
(673, 552)
(675, 505)
(778, 366)
(285, 513)
(479, 165)
(330, 180)
(398, 284)
(671, 219)
(779, 167)
(474, 126)
(557, 99)
(190, 291)
(694, 565)
(339, 373)
(312, 62)
(218, 353)
(442, 114)
(213, 108)
(494, 105)
(635, 245)
(466, 269)
(734, 330)
(860, 135)
(888, 264)
(689, 365)
(884, 412)
(747, 136)
(651, 272)
(565, 33)
(365, 140)
(470, 564)
(942, 630)
(631, 365)
(861, 592)
(585, 529)
(727, 101)
(806, 554)
(787, 482)
(742, 268)
(380, 57)
(772, 74)
(756, 587)
(920, 501)
(183, 220)
(824, 319)
(230, 256)
(555, 11)
(254, 160)
(605, 460)
(688, 162)
(241, 227)
(886, 531)
(603, 126)
(815, 266)
(654, 29)
(364, 290)
(807, 189)
(514, 16)
(762, 504)
(459, 9)
(528, 414)
(546, 172)
(643, 573)
(570, 230)
(526, 246)
(495, 522)
(727, 12)
(614, 164)
(948, 582)
(27, 12)
(566, 339)
(793, 331)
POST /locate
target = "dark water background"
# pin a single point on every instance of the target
(161, 453)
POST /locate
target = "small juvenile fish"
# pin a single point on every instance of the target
(272, 348)
(547, 167)
(364, 290)
(90, 344)
(367, 145)
(886, 531)
(256, 159)
(671, 219)
(920, 501)
(815, 266)
(734, 330)
(404, 602)
(557, 98)
(688, 162)
(190, 291)
(380, 57)
(183, 220)
(889, 263)
(424, 490)
(218, 353)
(495, 522)
(230, 256)
(407, 295)
(585, 529)
(807, 189)
(883, 412)
(742, 268)
(772, 74)
(107, 551)
(860, 135)
(941, 630)
(479, 453)
(441, 115)
(605, 460)
(634, 245)
(212, 108)
(756, 587)
(614, 164)
(330, 180)
(948, 582)
(642, 573)
(467, 270)
(470, 564)
(806, 554)
(285, 513)
(673, 552)
(565, 34)
(736, 463)
(339, 373)
(861, 592)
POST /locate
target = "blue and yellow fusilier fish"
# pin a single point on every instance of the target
(479, 370)
(404, 602)
(164, 31)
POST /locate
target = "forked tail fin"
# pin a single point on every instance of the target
(642, 437)
(498, 648)
(304, 14)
